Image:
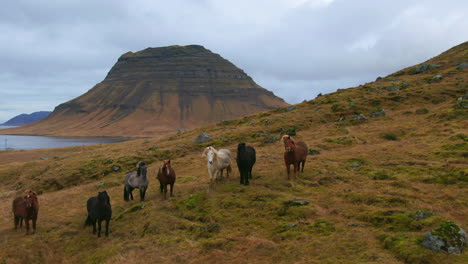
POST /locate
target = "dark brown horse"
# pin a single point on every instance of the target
(295, 153)
(166, 176)
(26, 208)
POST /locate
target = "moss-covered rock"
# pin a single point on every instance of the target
(449, 237)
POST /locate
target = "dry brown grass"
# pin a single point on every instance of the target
(354, 216)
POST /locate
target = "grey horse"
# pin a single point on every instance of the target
(136, 180)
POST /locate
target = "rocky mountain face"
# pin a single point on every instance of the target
(159, 90)
(24, 119)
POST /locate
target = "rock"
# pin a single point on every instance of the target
(449, 237)
(313, 152)
(202, 138)
(462, 66)
(44, 158)
(380, 112)
(436, 78)
(290, 226)
(422, 68)
(296, 202)
(290, 108)
(104, 172)
(318, 95)
(115, 167)
(395, 79)
(461, 98)
(378, 79)
(392, 88)
(359, 117)
(423, 214)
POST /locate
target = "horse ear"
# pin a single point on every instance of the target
(169, 161)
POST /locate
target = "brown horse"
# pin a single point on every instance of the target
(295, 154)
(27, 208)
(166, 175)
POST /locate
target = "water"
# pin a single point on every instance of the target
(40, 142)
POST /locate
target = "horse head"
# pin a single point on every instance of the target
(241, 146)
(141, 168)
(103, 196)
(210, 153)
(166, 168)
(30, 198)
(289, 143)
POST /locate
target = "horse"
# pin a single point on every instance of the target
(136, 180)
(99, 209)
(295, 154)
(27, 208)
(246, 158)
(218, 160)
(166, 175)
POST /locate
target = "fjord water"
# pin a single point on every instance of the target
(39, 142)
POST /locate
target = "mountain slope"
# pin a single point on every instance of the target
(159, 90)
(389, 164)
(24, 119)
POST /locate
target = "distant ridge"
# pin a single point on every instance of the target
(159, 90)
(25, 119)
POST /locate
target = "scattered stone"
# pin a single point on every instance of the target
(392, 88)
(423, 214)
(395, 79)
(380, 112)
(436, 78)
(378, 79)
(296, 202)
(318, 95)
(115, 167)
(449, 237)
(202, 138)
(290, 226)
(313, 152)
(104, 172)
(44, 158)
(462, 66)
(422, 68)
(181, 130)
(146, 142)
(290, 108)
(461, 98)
(108, 161)
(359, 117)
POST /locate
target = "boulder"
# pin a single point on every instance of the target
(380, 112)
(202, 138)
(449, 237)
(423, 68)
(462, 66)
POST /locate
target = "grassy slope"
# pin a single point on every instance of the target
(368, 181)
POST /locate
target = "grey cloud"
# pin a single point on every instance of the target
(52, 51)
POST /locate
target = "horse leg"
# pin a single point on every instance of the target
(161, 187)
(27, 225)
(241, 171)
(165, 191)
(16, 220)
(94, 226)
(130, 191)
(172, 188)
(34, 224)
(99, 227)
(287, 169)
(295, 165)
(303, 164)
(107, 227)
(246, 177)
(142, 193)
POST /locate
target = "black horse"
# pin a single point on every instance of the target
(99, 209)
(245, 161)
(136, 180)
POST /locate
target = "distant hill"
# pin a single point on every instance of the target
(25, 119)
(159, 90)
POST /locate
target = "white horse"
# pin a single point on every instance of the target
(218, 160)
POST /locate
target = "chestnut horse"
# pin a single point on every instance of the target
(166, 175)
(295, 154)
(27, 208)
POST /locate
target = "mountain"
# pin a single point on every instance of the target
(24, 119)
(159, 90)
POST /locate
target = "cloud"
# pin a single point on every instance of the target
(52, 51)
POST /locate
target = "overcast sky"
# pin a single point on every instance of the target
(52, 51)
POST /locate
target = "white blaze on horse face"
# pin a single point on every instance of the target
(210, 156)
(167, 170)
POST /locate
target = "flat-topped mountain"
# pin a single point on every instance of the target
(24, 119)
(159, 90)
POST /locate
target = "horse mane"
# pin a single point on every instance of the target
(288, 137)
(206, 150)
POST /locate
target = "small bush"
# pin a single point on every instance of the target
(422, 111)
(390, 136)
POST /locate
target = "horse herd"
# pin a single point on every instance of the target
(99, 207)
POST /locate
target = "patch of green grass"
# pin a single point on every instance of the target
(389, 136)
(340, 140)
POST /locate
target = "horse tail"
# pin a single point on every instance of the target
(125, 195)
(88, 221)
